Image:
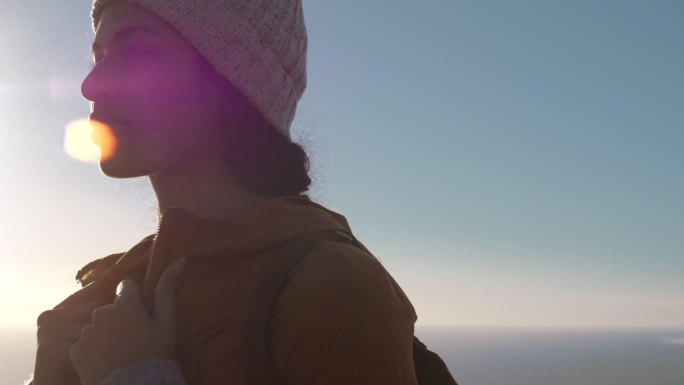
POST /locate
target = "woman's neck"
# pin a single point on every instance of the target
(205, 189)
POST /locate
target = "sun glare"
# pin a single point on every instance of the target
(89, 140)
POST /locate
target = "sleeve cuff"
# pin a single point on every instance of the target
(150, 372)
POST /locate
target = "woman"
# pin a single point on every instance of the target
(200, 96)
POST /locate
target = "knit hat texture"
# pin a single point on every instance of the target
(258, 45)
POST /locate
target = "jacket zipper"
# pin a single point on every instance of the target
(150, 259)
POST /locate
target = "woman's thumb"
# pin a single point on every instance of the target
(165, 297)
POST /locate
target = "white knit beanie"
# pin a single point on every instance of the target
(258, 45)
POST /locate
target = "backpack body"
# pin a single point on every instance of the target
(430, 369)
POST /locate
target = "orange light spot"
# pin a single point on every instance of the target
(89, 141)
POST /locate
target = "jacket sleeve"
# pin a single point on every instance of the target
(342, 320)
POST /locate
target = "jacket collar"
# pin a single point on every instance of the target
(182, 234)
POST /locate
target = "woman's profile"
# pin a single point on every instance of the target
(200, 97)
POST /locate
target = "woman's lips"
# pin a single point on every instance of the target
(104, 134)
(106, 119)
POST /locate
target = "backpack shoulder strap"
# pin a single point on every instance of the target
(258, 360)
(429, 366)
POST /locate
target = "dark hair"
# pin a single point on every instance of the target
(267, 162)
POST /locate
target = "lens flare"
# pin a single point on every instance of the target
(89, 140)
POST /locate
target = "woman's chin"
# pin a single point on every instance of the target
(115, 168)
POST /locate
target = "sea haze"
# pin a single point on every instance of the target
(17, 350)
(487, 356)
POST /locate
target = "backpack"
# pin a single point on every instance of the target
(430, 369)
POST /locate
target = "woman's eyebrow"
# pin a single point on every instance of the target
(125, 32)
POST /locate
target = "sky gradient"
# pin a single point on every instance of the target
(511, 163)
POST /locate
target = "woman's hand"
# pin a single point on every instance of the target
(122, 334)
(58, 331)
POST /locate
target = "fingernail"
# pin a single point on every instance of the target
(119, 288)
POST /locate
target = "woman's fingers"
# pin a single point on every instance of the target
(55, 339)
(123, 333)
(66, 314)
(65, 332)
(58, 330)
(165, 298)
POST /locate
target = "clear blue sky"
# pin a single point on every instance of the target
(512, 163)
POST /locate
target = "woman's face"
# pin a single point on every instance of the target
(148, 85)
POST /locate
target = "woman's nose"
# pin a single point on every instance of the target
(97, 84)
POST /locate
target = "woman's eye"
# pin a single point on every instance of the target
(135, 52)
(138, 52)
